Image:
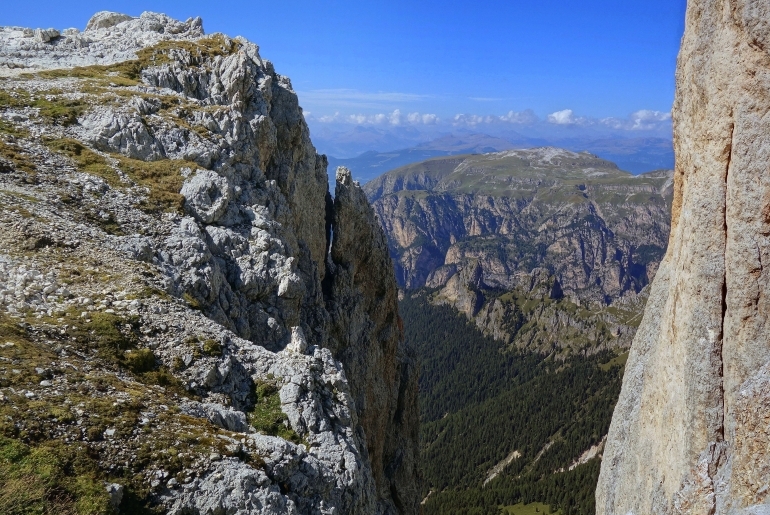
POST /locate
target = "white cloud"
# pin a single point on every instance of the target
(527, 117)
(524, 117)
(424, 119)
(565, 117)
(469, 119)
(642, 120)
(646, 119)
(395, 118)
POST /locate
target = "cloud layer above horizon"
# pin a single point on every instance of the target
(641, 120)
(397, 109)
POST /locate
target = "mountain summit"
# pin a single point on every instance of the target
(186, 316)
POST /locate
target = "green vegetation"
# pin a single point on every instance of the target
(129, 73)
(267, 417)
(108, 223)
(11, 129)
(529, 509)
(163, 178)
(12, 201)
(565, 493)
(617, 361)
(140, 361)
(16, 157)
(212, 347)
(481, 401)
(86, 159)
(198, 51)
(53, 105)
(42, 474)
(191, 301)
(108, 334)
(515, 176)
(50, 478)
(60, 111)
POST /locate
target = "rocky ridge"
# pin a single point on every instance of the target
(524, 239)
(183, 300)
(689, 433)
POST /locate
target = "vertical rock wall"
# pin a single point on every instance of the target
(367, 336)
(690, 432)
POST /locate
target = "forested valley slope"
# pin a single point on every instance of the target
(524, 276)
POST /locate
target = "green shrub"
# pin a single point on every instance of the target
(140, 361)
(86, 159)
(49, 479)
(212, 347)
(266, 416)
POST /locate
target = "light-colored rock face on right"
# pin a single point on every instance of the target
(690, 432)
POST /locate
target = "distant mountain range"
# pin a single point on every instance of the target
(548, 222)
(635, 155)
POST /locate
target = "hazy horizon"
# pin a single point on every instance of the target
(556, 69)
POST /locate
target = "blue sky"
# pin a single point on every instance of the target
(557, 62)
(597, 57)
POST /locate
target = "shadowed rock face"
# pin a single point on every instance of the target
(690, 433)
(368, 333)
(299, 288)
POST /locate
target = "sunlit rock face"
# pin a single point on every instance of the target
(690, 432)
(186, 165)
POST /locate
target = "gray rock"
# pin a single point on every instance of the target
(115, 491)
(234, 488)
(139, 248)
(380, 365)
(248, 267)
(207, 195)
(105, 20)
(46, 35)
(122, 132)
(222, 416)
(689, 433)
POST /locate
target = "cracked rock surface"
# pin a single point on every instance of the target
(182, 298)
(690, 433)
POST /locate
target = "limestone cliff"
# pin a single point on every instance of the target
(690, 433)
(169, 243)
(529, 239)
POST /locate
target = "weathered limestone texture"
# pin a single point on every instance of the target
(181, 166)
(690, 432)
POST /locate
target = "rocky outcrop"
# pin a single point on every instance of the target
(689, 433)
(600, 231)
(545, 249)
(368, 334)
(182, 163)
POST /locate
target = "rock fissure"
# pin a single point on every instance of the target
(712, 387)
(263, 306)
(720, 340)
